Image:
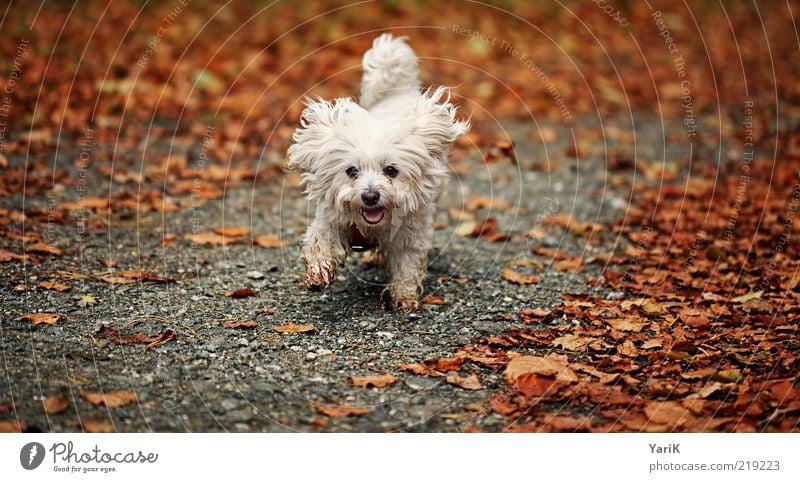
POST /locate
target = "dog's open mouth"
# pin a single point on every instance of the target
(373, 215)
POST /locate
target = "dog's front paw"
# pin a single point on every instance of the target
(405, 304)
(317, 277)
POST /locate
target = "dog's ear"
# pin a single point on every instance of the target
(437, 125)
(316, 132)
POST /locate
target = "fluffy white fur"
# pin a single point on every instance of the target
(393, 146)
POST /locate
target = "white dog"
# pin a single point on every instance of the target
(375, 169)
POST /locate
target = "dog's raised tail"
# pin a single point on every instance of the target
(390, 67)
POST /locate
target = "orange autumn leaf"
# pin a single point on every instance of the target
(55, 404)
(240, 324)
(39, 318)
(340, 410)
(293, 328)
(241, 293)
(43, 248)
(232, 231)
(516, 277)
(210, 239)
(113, 399)
(54, 285)
(269, 241)
(377, 381)
(470, 382)
(433, 300)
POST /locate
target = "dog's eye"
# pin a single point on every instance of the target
(352, 172)
(390, 171)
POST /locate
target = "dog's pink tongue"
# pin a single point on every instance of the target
(373, 215)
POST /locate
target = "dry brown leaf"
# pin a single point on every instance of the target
(116, 280)
(572, 342)
(111, 333)
(449, 364)
(55, 404)
(210, 239)
(113, 399)
(518, 278)
(232, 231)
(241, 293)
(470, 382)
(38, 318)
(545, 366)
(486, 202)
(269, 241)
(377, 381)
(54, 285)
(97, 426)
(340, 410)
(420, 368)
(240, 324)
(8, 256)
(433, 300)
(292, 328)
(12, 426)
(43, 248)
(623, 324)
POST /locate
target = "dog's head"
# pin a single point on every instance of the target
(370, 168)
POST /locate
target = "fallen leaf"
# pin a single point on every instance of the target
(87, 299)
(470, 382)
(419, 368)
(269, 241)
(466, 228)
(754, 295)
(54, 285)
(55, 404)
(232, 231)
(38, 318)
(487, 226)
(433, 300)
(210, 239)
(116, 280)
(111, 333)
(8, 256)
(43, 248)
(377, 381)
(114, 399)
(519, 278)
(544, 366)
(449, 364)
(623, 324)
(292, 328)
(12, 426)
(96, 426)
(241, 293)
(340, 410)
(572, 342)
(240, 324)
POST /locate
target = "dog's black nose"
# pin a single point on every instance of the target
(370, 197)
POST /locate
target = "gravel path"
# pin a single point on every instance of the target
(216, 378)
